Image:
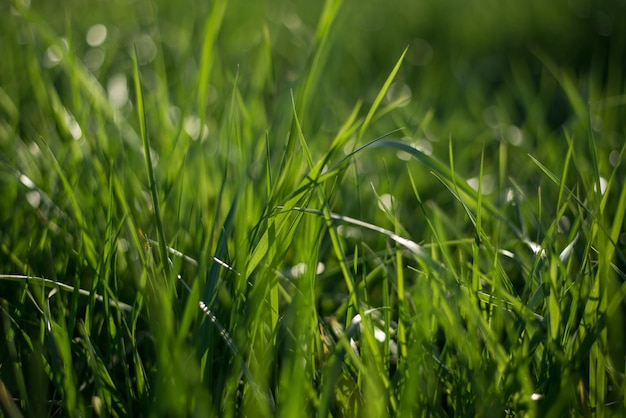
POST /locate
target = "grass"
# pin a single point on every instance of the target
(342, 209)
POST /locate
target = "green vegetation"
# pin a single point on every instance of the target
(238, 208)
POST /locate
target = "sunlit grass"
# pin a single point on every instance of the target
(198, 219)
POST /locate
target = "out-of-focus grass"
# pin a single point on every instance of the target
(281, 208)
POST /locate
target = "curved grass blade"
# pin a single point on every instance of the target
(448, 175)
(410, 245)
(65, 287)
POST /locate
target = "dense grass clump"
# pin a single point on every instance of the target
(265, 208)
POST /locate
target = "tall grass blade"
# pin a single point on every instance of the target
(593, 156)
(147, 149)
(319, 54)
(207, 61)
(381, 95)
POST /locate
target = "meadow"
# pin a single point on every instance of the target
(291, 208)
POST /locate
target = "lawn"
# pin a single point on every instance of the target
(334, 208)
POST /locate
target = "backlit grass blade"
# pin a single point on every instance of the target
(309, 83)
(558, 182)
(318, 57)
(381, 95)
(448, 175)
(208, 58)
(303, 144)
(564, 172)
(353, 297)
(62, 286)
(410, 245)
(593, 156)
(564, 79)
(313, 179)
(141, 114)
(89, 245)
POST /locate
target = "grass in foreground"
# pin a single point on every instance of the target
(184, 238)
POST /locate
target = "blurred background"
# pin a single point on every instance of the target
(475, 65)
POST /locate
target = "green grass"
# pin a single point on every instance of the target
(312, 209)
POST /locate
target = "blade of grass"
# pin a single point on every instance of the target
(412, 246)
(380, 96)
(61, 364)
(309, 83)
(207, 61)
(6, 400)
(89, 246)
(104, 384)
(141, 114)
(319, 55)
(15, 356)
(564, 79)
(313, 179)
(48, 283)
(593, 155)
(448, 175)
